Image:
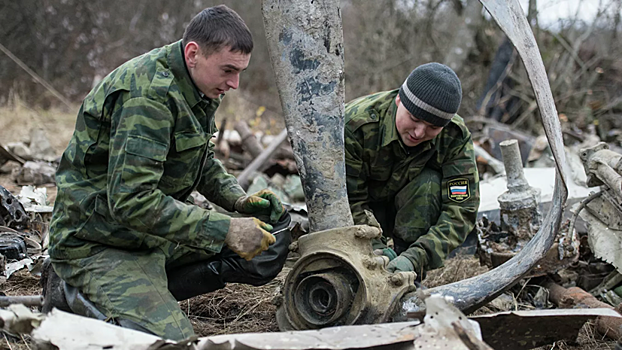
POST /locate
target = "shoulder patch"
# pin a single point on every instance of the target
(458, 190)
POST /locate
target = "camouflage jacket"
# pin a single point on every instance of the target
(140, 147)
(378, 166)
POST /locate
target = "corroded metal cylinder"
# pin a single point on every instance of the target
(512, 161)
(520, 214)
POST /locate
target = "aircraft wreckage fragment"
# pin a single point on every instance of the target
(445, 328)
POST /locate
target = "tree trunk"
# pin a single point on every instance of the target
(464, 40)
(305, 40)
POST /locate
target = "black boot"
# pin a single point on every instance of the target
(53, 292)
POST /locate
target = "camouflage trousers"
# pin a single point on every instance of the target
(412, 212)
(136, 285)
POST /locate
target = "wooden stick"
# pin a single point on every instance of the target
(249, 142)
(261, 159)
(28, 300)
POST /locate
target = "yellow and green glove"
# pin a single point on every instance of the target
(248, 237)
(264, 202)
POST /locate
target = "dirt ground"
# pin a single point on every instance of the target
(236, 308)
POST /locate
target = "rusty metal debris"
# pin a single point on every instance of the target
(520, 214)
(520, 218)
(575, 297)
(522, 330)
(603, 209)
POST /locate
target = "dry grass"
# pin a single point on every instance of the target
(587, 340)
(456, 269)
(237, 308)
(17, 119)
(20, 283)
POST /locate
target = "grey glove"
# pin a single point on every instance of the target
(388, 252)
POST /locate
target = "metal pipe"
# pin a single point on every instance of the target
(513, 164)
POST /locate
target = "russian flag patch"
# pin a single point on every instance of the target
(458, 190)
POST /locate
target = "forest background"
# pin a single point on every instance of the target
(54, 51)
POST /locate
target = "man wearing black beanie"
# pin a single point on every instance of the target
(411, 168)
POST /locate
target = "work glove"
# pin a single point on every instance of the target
(248, 237)
(388, 252)
(401, 263)
(264, 202)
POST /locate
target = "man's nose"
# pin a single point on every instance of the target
(234, 82)
(419, 131)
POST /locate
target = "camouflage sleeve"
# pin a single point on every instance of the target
(458, 208)
(217, 185)
(140, 138)
(356, 178)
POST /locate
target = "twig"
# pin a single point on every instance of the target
(521, 118)
(8, 229)
(250, 309)
(40, 80)
(24, 340)
(7, 341)
(582, 205)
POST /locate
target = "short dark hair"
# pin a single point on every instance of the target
(217, 27)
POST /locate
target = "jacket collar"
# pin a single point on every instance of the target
(188, 89)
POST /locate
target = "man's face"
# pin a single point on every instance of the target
(412, 130)
(216, 73)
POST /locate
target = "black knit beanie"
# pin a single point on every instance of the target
(432, 92)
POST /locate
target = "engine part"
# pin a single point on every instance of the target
(12, 246)
(12, 212)
(339, 281)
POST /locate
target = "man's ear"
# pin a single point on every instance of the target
(397, 99)
(191, 51)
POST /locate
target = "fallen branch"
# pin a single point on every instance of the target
(261, 159)
(28, 300)
(249, 142)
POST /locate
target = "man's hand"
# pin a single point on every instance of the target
(263, 202)
(248, 237)
(400, 263)
(388, 252)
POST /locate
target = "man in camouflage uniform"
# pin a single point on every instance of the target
(123, 232)
(411, 168)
